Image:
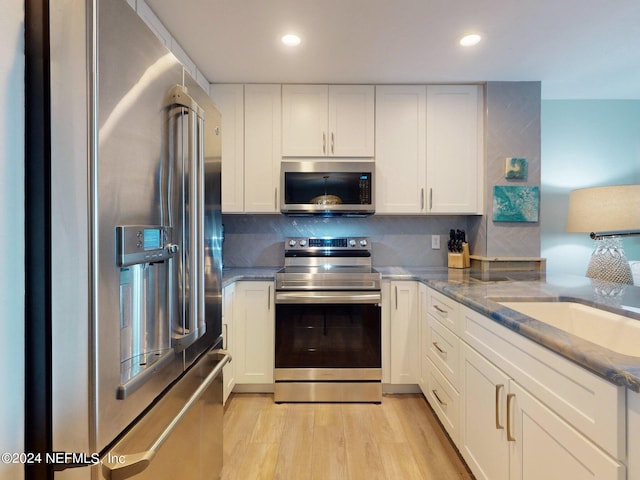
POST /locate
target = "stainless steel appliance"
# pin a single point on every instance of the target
(328, 322)
(135, 243)
(327, 187)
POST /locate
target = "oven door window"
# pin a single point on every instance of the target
(328, 336)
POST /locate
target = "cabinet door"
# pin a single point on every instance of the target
(228, 297)
(544, 446)
(230, 101)
(454, 149)
(351, 120)
(304, 120)
(404, 333)
(400, 149)
(262, 156)
(423, 334)
(254, 325)
(483, 434)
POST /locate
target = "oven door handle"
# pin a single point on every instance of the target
(328, 297)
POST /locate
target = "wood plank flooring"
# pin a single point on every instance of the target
(398, 439)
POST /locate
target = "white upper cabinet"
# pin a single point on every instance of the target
(454, 149)
(429, 149)
(262, 148)
(328, 120)
(230, 101)
(401, 148)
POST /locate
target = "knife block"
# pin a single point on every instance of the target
(459, 260)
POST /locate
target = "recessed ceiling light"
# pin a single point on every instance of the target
(291, 40)
(469, 40)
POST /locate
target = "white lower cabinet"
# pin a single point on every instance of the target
(254, 328)
(514, 409)
(508, 434)
(228, 371)
(483, 442)
(405, 342)
(440, 358)
(543, 445)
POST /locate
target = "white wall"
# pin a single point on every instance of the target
(12, 233)
(585, 143)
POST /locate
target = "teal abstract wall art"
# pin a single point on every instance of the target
(515, 203)
(515, 168)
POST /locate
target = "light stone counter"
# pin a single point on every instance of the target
(480, 292)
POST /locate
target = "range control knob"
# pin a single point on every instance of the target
(292, 243)
(352, 243)
(303, 243)
(363, 243)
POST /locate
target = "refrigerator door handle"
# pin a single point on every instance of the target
(116, 466)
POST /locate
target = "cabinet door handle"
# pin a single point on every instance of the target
(435, 394)
(422, 199)
(275, 198)
(324, 143)
(396, 287)
(269, 298)
(441, 310)
(498, 390)
(439, 348)
(430, 199)
(332, 143)
(510, 437)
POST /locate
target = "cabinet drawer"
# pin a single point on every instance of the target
(445, 401)
(444, 309)
(443, 348)
(591, 404)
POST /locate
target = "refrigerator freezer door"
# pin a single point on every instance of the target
(181, 437)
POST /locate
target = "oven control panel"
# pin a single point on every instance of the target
(327, 244)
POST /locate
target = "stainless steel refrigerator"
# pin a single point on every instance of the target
(135, 285)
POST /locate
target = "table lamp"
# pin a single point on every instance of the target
(609, 213)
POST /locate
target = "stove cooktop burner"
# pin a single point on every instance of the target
(328, 263)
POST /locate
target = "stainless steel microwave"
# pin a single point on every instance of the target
(327, 188)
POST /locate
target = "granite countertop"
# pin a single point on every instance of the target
(481, 291)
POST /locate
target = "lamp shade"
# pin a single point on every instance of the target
(604, 209)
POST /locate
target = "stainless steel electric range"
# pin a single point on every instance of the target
(328, 322)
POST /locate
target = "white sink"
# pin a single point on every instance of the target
(616, 332)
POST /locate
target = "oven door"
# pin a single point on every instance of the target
(328, 346)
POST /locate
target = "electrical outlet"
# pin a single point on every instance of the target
(435, 242)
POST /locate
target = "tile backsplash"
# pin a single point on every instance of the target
(258, 240)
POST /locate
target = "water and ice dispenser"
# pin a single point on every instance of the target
(145, 323)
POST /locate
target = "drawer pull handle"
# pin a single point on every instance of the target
(510, 436)
(498, 390)
(440, 309)
(439, 348)
(435, 394)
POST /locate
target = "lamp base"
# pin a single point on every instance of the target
(608, 262)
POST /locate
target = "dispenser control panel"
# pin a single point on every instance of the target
(143, 244)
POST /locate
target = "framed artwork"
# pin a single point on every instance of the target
(516, 203)
(515, 168)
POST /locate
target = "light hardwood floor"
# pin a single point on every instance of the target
(399, 439)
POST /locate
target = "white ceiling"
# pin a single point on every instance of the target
(576, 48)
